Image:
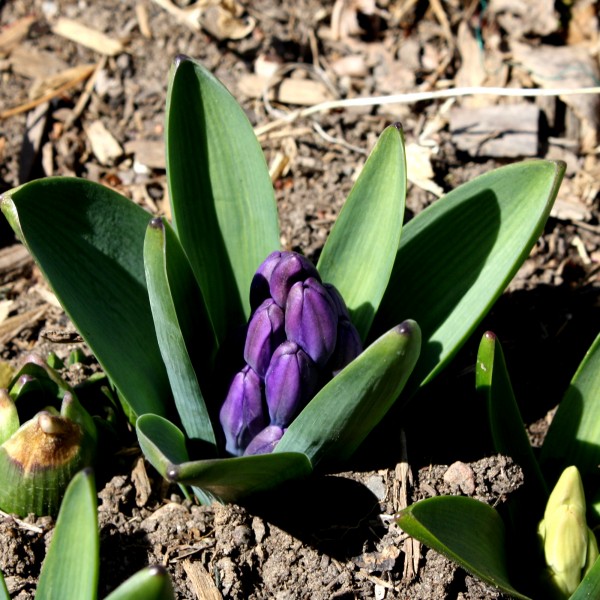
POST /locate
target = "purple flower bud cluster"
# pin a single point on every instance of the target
(298, 337)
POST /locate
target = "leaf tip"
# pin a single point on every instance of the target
(172, 473)
(157, 571)
(156, 223)
(407, 328)
(180, 58)
(490, 335)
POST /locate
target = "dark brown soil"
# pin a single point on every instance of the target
(334, 535)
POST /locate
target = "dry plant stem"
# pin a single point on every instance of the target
(414, 97)
(11, 112)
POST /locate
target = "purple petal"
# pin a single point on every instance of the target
(292, 267)
(347, 348)
(259, 287)
(291, 380)
(265, 332)
(311, 319)
(243, 415)
(265, 441)
(340, 305)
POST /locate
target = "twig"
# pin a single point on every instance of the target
(414, 97)
(22, 524)
(17, 110)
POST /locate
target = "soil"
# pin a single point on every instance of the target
(334, 535)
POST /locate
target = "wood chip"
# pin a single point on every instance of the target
(505, 130)
(141, 482)
(150, 153)
(88, 37)
(34, 132)
(141, 13)
(224, 25)
(14, 258)
(201, 581)
(11, 36)
(49, 83)
(104, 146)
(302, 92)
(35, 64)
(14, 325)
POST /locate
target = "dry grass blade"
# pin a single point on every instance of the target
(10, 328)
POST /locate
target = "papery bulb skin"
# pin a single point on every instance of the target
(243, 413)
(347, 348)
(291, 380)
(265, 441)
(265, 332)
(260, 285)
(311, 320)
(291, 268)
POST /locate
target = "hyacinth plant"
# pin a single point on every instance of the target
(543, 547)
(167, 309)
(71, 567)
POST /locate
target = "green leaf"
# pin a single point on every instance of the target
(70, 570)
(457, 256)
(590, 584)
(4, 595)
(151, 583)
(88, 241)
(464, 530)
(182, 325)
(221, 194)
(228, 479)
(367, 231)
(574, 435)
(506, 424)
(344, 412)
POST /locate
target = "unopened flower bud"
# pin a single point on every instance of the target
(265, 441)
(290, 382)
(265, 332)
(340, 305)
(311, 320)
(292, 267)
(347, 348)
(570, 547)
(260, 285)
(242, 415)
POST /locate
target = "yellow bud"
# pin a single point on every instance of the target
(569, 545)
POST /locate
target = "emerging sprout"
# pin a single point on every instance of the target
(39, 457)
(570, 546)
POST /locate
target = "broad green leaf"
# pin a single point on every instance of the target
(457, 256)
(4, 595)
(182, 325)
(221, 194)
(343, 413)
(574, 435)
(359, 253)
(70, 569)
(151, 583)
(590, 585)
(466, 531)
(88, 241)
(506, 425)
(225, 478)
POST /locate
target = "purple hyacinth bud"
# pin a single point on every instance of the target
(311, 319)
(292, 267)
(291, 380)
(347, 348)
(265, 441)
(265, 332)
(340, 305)
(259, 287)
(243, 414)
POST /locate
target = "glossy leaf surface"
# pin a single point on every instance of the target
(151, 583)
(182, 326)
(70, 569)
(221, 194)
(506, 424)
(457, 256)
(227, 478)
(574, 435)
(359, 253)
(342, 414)
(464, 530)
(88, 241)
